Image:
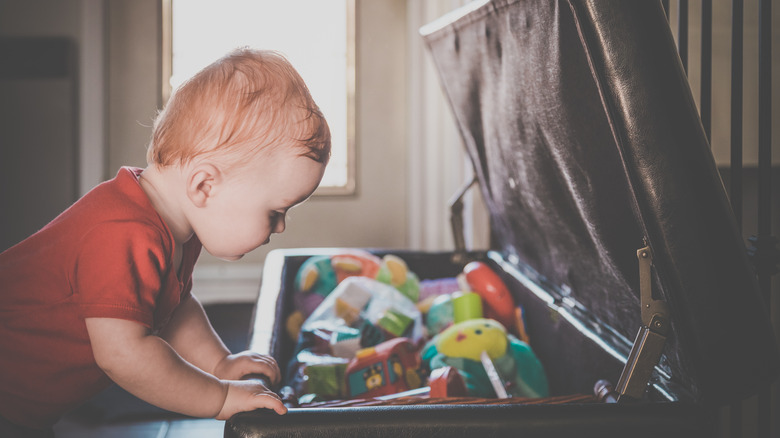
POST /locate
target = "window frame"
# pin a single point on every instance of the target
(350, 187)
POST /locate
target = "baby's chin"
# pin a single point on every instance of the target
(229, 258)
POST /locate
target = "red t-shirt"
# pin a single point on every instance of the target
(109, 255)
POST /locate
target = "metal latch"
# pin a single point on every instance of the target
(459, 257)
(650, 340)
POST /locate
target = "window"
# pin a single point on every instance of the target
(317, 36)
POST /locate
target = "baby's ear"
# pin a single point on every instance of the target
(201, 183)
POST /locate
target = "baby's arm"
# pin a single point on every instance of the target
(146, 366)
(191, 335)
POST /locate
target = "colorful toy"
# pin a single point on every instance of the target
(345, 343)
(361, 303)
(394, 322)
(499, 304)
(359, 338)
(393, 271)
(440, 314)
(438, 286)
(319, 374)
(390, 367)
(350, 302)
(294, 323)
(446, 382)
(307, 302)
(325, 379)
(355, 263)
(466, 306)
(316, 275)
(461, 346)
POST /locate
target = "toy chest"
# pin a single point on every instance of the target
(610, 226)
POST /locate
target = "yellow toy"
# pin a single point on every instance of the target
(461, 345)
(470, 338)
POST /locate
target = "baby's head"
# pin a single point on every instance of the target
(246, 103)
(248, 142)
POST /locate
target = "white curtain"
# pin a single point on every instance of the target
(437, 163)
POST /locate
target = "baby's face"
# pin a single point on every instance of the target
(252, 205)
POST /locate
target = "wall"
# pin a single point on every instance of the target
(69, 150)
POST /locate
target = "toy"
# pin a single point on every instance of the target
(449, 309)
(446, 382)
(461, 347)
(319, 275)
(440, 314)
(358, 300)
(345, 343)
(319, 375)
(293, 324)
(466, 306)
(350, 302)
(431, 288)
(316, 275)
(355, 263)
(499, 304)
(390, 367)
(393, 271)
(394, 322)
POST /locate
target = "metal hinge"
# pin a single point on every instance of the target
(650, 340)
(459, 256)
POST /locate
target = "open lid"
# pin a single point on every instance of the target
(580, 123)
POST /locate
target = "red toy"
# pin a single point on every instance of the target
(446, 382)
(499, 304)
(390, 367)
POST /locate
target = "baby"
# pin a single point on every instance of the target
(102, 293)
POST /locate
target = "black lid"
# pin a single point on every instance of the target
(587, 143)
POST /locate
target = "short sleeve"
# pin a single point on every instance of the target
(120, 270)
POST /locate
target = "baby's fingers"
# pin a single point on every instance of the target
(269, 400)
(267, 366)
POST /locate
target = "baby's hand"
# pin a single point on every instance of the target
(248, 395)
(238, 366)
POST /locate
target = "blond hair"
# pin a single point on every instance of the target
(243, 103)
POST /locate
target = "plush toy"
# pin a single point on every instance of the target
(321, 274)
(316, 275)
(461, 346)
(355, 263)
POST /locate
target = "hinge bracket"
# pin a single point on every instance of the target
(459, 256)
(649, 342)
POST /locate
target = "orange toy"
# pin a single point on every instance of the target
(499, 304)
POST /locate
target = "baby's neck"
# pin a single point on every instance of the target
(165, 190)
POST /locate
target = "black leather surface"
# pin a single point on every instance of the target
(582, 129)
(588, 420)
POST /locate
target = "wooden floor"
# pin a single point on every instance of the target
(117, 414)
